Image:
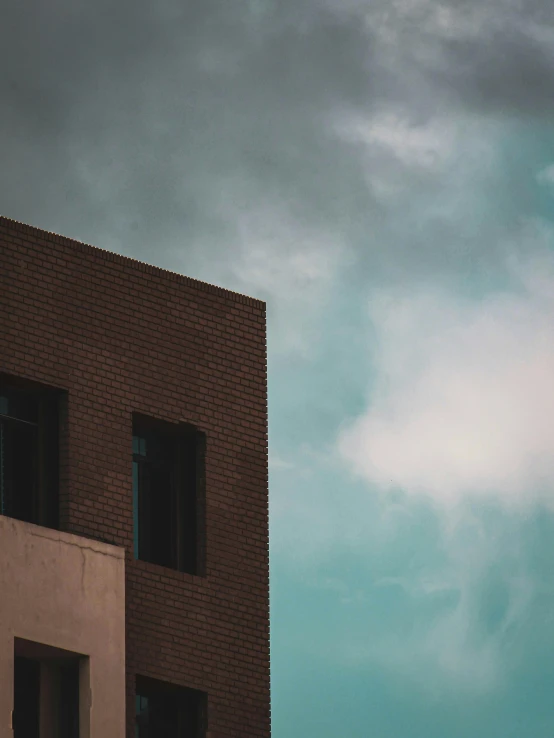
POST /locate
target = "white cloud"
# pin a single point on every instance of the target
(460, 414)
(430, 145)
(404, 155)
(427, 145)
(463, 398)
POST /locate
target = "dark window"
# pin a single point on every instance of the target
(167, 462)
(26, 701)
(62, 695)
(29, 454)
(68, 700)
(167, 711)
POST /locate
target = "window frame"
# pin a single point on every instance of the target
(45, 497)
(190, 705)
(187, 489)
(64, 698)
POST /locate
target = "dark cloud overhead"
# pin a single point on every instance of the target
(510, 72)
(154, 114)
(155, 124)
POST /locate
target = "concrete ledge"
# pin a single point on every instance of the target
(65, 592)
(19, 527)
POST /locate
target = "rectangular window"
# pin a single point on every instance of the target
(46, 695)
(26, 703)
(167, 462)
(167, 711)
(29, 453)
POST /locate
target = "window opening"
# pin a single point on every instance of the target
(167, 711)
(165, 493)
(29, 454)
(46, 695)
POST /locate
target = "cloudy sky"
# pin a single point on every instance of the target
(381, 172)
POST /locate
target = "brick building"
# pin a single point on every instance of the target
(134, 499)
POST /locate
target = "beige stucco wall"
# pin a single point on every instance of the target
(68, 592)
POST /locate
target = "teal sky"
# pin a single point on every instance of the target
(382, 174)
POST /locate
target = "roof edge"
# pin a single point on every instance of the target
(120, 259)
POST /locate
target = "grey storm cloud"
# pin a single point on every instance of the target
(136, 123)
(509, 70)
(146, 113)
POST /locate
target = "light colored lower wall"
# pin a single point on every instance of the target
(67, 592)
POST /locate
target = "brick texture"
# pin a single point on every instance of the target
(121, 336)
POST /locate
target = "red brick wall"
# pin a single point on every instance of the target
(121, 337)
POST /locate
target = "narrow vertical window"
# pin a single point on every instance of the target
(165, 491)
(28, 454)
(26, 713)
